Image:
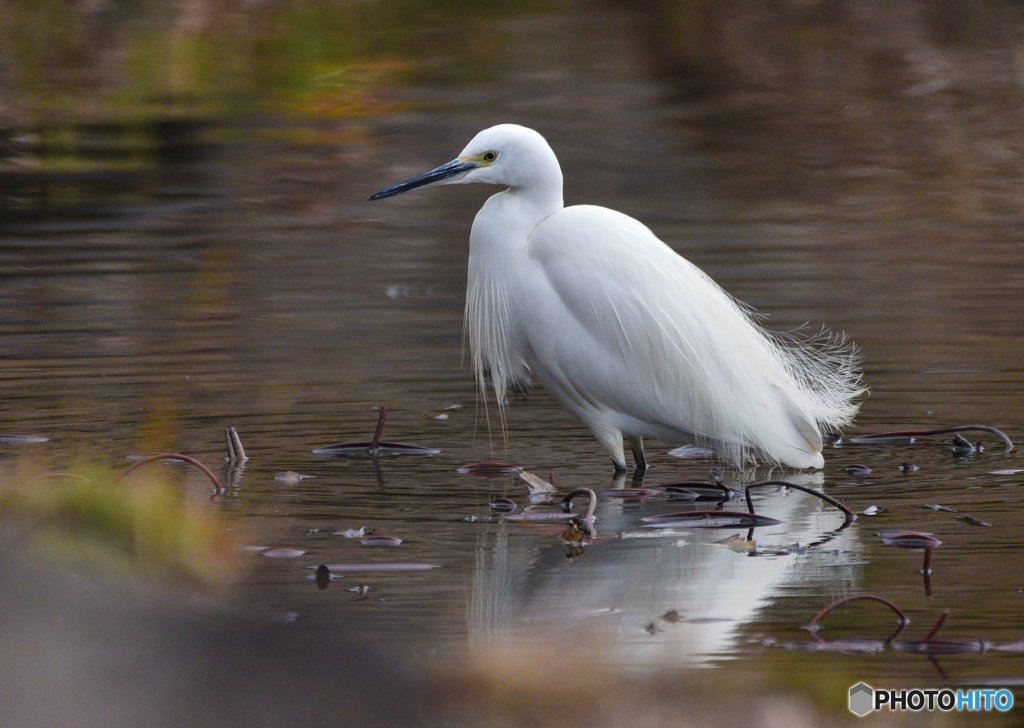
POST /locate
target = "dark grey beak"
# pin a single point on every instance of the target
(453, 168)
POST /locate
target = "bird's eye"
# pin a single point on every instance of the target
(490, 156)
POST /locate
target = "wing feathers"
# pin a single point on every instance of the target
(642, 332)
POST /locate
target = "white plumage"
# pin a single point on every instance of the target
(631, 338)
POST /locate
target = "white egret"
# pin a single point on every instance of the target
(631, 338)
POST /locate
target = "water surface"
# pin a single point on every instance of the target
(169, 275)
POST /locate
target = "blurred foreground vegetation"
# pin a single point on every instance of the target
(141, 524)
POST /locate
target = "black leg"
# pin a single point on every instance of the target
(640, 465)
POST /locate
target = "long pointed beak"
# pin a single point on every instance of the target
(453, 168)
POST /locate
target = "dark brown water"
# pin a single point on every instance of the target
(179, 276)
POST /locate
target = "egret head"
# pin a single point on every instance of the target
(506, 154)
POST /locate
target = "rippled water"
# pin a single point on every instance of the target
(231, 273)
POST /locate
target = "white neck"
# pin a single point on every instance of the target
(498, 247)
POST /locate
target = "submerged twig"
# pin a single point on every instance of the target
(382, 414)
(709, 519)
(938, 625)
(926, 568)
(375, 447)
(172, 456)
(236, 453)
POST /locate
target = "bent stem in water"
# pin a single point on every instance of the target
(218, 488)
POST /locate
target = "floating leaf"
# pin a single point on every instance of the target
(375, 447)
(907, 436)
(290, 477)
(22, 440)
(540, 516)
(398, 291)
(382, 567)
(1010, 647)
(858, 471)
(881, 439)
(381, 540)
(631, 493)
(283, 553)
(683, 495)
(709, 519)
(691, 452)
(354, 532)
(535, 484)
(659, 533)
(738, 544)
(938, 507)
(909, 539)
(872, 511)
(939, 647)
(503, 505)
(367, 449)
(975, 521)
(852, 646)
(488, 468)
(703, 489)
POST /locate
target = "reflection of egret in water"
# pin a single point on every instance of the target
(525, 585)
(587, 299)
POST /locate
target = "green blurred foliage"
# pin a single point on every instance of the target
(142, 524)
(210, 58)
